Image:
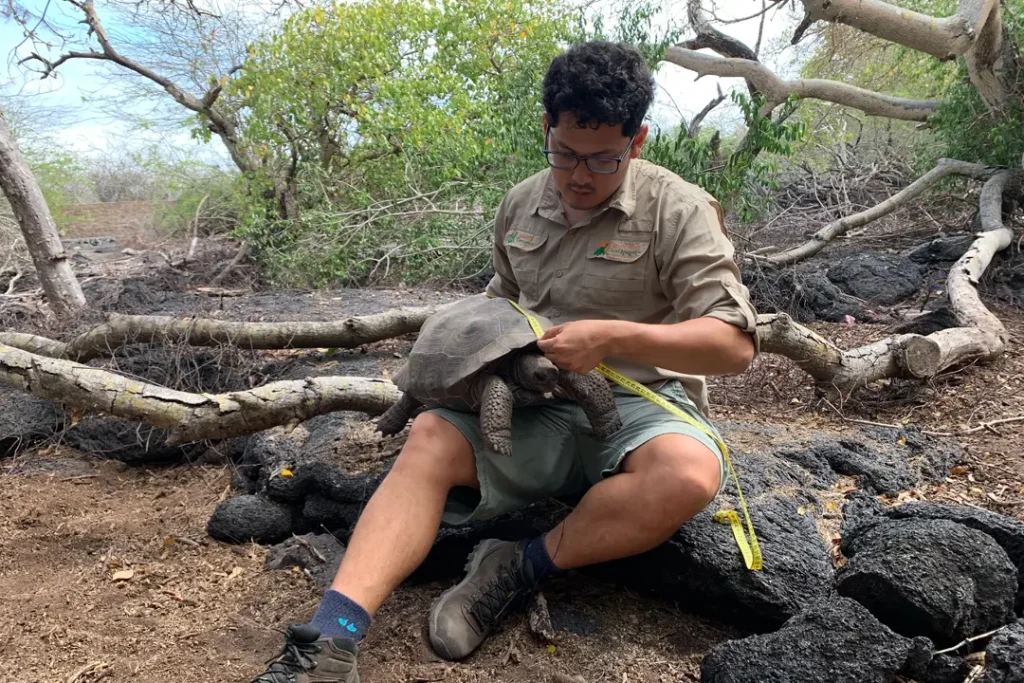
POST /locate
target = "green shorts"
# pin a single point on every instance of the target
(555, 453)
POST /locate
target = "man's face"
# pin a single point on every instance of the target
(582, 188)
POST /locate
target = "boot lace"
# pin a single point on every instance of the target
(294, 658)
(503, 591)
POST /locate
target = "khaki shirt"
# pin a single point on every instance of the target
(656, 252)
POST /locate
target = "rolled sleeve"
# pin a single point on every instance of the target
(698, 273)
(503, 283)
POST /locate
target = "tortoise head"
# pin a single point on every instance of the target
(532, 370)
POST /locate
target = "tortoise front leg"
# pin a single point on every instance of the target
(496, 416)
(592, 393)
(395, 418)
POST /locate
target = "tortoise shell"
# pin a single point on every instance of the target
(457, 344)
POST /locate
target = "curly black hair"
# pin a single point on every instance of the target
(599, 82)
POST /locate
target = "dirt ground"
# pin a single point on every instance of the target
(106, 571)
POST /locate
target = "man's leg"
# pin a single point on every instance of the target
(392, 537)
(398, 527)
(663, 484)
(649, 478)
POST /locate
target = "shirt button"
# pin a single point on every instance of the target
(558, 274)
(556, 314)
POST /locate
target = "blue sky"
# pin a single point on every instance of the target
(80, 83)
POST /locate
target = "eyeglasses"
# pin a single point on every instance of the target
(564, 161)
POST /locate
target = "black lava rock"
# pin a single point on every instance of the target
(113, 438)
(834, 640)
(805, 294)
(763, 473)
(324, 514)
(946, 669)
(941, 249)
(701, 566)
(930, 578)
(251, 518)
(878, 278)
(25, 420)
(318, 554)
(1006, 531)
(927, 323)
(1004, 656)
(877, 471)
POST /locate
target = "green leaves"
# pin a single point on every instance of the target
(738, 179)
(379, 100)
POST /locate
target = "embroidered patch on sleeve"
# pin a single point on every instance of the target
(524, 240)
(617, 250)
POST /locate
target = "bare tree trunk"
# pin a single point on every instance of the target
(192, 417)
(123, 330)
(63, 293)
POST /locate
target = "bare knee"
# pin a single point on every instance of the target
(682, 477)
(437, 452)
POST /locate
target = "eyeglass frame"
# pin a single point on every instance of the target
(586, 158)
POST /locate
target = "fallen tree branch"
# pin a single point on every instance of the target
(123, 330)
(980, 338)
(192, 417)
(820, 239)
(777, 91)
(829, 365)
(967, 271)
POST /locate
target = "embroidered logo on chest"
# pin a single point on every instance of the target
(524, 240)
(617, 250)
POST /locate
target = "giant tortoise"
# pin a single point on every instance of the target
(480, 354)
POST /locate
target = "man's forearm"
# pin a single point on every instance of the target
(703, 346)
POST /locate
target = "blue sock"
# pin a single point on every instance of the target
(543, 567)
(338, 615)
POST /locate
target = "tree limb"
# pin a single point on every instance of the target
(694, 128)
(837, 228)
(192, 417)
(967, 271)
(942, 37)
(709, 37)
(777, 90)
(974, 32)
(123, 330)
(19, 186)
(824, 361)
(219, 124)
(980, 338)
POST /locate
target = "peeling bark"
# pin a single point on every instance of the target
(776, 90)
(191, 417)
(123, 330)
(63, 293)
(838, 228)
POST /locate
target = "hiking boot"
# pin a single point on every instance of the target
(308, 658)
(499, 578)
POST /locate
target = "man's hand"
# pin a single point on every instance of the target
(578, 346)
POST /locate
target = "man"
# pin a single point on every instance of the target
(635, 269)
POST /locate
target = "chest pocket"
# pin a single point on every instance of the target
(616, 272)
(522, 249)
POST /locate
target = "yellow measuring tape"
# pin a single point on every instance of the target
(751, 551)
